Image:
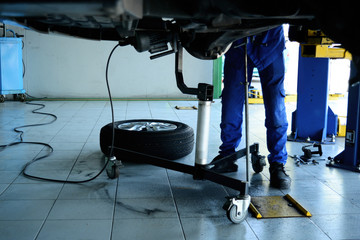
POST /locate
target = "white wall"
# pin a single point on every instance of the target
(339, 75)
(339, 72)
(68, 67)
(292, 60)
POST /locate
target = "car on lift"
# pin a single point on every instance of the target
(205, 28)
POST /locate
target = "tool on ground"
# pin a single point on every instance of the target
(186, 108)
(301, 161)
(308, 153)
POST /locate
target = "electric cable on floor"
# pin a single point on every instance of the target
(111, 102)
(36, 111)
(21, 133)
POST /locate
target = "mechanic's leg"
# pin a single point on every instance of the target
(233, 97)
(272, 83)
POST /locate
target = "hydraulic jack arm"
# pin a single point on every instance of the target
(204, 92)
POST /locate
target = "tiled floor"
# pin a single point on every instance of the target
(146, 202)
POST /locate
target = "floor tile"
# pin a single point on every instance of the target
(213, 228)
(3, 186)
(147, 202)
(92, 146)
(8, 176)
(183, 186)
(67, 146)
(12, 165)
(91, 158)
(327, 204)
(24, 209)
(354, 198)
(145, 208)
(286, 229)
(200, 206)
(147, 228)
(263, 188)
(344, 186)
(143, 189)
(88, 165)
(143, 184)
(32, 191)
(51, 165)
(38, 137)
(329, 173)
(61, 155)
(82, 209)
(20, 230)
(11, 154)
(75, 230)
(79, 174)
(339, 226)
(309, 188)
(97, 189)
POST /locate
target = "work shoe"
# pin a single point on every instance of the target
(278, 177)
(224, 166)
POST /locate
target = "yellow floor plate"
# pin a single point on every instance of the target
(277, 207)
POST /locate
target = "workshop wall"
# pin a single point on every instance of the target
(58, 66)
(66, 67)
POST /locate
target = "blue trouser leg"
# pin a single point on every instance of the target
(233, 97)
(272, 84)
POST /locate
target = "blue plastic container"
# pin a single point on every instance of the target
(11, 68)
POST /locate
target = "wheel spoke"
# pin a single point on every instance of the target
(147, 126)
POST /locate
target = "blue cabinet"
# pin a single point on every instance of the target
(11, 67)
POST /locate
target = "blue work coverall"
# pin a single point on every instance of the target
(265, 52)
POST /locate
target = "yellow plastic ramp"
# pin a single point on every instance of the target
(277, 207)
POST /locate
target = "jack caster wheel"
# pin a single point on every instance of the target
(113, 167)
(22, 97)
(235, 217)
(258, 162)
(19, 97)
(237, 209)
(113, 172)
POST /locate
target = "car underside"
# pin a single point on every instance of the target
(205, 28)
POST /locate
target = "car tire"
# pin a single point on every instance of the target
(160, 138)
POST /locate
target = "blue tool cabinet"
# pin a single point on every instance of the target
(11, 68)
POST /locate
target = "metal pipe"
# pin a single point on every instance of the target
(202, 133)
(247, 114)
(179, 74)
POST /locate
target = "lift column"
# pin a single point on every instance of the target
(350, 158)
(313, 119)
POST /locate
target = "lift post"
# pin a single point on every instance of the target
(313, 120)
(350, 158)
(316, 45)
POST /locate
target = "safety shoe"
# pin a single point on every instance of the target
(278, 177)
(224, 166)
